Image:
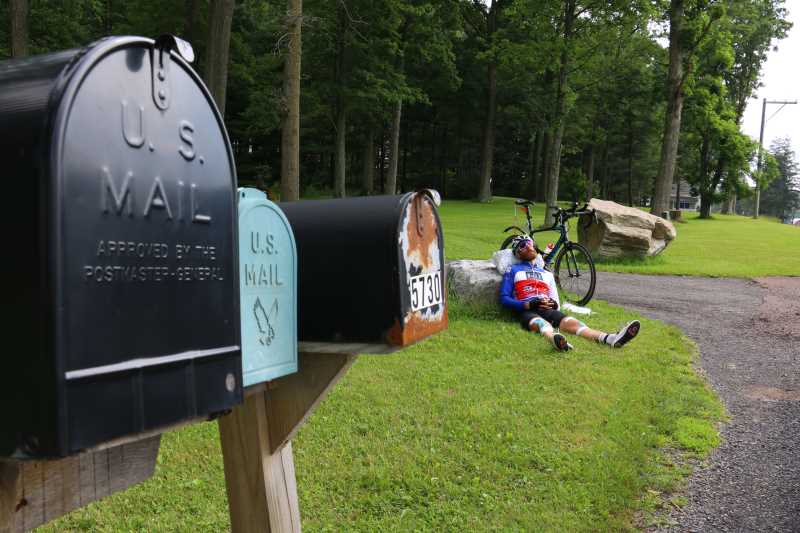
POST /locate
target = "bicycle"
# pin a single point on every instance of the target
(570, 262)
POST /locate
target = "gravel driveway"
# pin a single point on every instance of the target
(749, 337)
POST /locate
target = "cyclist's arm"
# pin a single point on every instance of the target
(507, 293)
(553, 291)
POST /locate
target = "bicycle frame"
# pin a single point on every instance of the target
(560, 226)
(563, 239)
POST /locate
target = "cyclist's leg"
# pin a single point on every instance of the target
(532, 321)
(617, 340)
(572, 325)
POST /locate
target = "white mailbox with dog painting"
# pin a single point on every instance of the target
(268, 289)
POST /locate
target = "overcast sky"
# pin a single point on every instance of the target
(781, 80)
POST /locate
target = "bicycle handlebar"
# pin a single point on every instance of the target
(572, 211)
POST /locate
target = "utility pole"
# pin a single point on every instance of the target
(761, 147)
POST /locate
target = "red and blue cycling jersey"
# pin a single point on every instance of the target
(525, 282)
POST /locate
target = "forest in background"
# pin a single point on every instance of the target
(548, 99)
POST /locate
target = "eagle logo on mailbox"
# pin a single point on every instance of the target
(264, 321)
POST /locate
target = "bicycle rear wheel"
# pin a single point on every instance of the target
(575, 274)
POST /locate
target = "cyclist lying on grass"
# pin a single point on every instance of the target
(530, 290)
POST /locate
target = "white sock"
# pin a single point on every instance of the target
(607, 338)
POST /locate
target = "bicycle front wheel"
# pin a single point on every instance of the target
(575, 274)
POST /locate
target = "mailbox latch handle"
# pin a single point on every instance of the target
(161, 59)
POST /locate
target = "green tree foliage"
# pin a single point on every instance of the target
(753, 26)
(401, 94)
(715, 154)
(691, 22)
(781, 198)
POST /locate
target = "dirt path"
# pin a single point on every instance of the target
(749, 337)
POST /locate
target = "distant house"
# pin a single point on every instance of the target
(687, 201)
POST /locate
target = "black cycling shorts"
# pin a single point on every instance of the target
(551, 315)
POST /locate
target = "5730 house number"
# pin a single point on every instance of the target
(425, 290)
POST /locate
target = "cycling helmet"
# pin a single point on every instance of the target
(519, 242)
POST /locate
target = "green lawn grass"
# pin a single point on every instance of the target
(726, 245)
(482, 427)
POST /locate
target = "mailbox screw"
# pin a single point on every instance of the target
(202, 160)
(162, 94)
(230, 382)
(162, 75)
(151, 147)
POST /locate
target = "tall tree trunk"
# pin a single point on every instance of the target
(19, 27)
(604, 172)
(538, 163)
(630, 165)
(443, 164)
(705, 204)
(705, 166)
(108, 22)
(529, 186)
(382, 154)
(707, 194)
(551, 183)
(190, 18)
(461, 172)
(588, 169)
(290, 129)
(394, 149)
(487, 148)
(341, 153)
(340, 67)
(368, 160)
(541, 174)
(729, 203)
(672, 117)
(219, 40)
(405, 143)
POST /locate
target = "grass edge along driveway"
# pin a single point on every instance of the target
(482, 427)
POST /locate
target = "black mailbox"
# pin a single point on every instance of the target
(125, 281)
(371, 276)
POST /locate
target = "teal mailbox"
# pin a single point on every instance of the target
(268, 281)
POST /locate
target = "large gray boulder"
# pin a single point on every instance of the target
(474, 281)
(623, 231)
